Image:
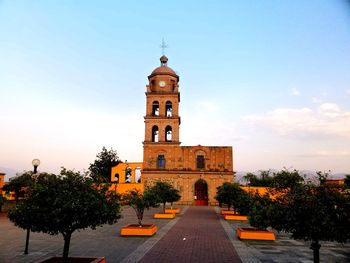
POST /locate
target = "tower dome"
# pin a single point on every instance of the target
(163, 69)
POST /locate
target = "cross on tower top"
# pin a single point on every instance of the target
(163, 46)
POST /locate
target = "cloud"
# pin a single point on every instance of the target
(316, 100)
(327, 153)
(208, 106)
(295, 92)
(327, 120)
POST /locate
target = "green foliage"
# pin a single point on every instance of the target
(278, 180)
(322, 177)
(308, 212)
(19, 185)
(139, 202)
(174, 196)
(65, 203)
(232, 195)
(2, 201)
(102, 167)
(165, 192)
(347, 180)
(262, 211)
(287, 179)
(264, 179)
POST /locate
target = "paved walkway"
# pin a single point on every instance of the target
(203, 230)
(197, 237)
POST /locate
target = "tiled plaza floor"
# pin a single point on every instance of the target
(197, 237)
(208, 238)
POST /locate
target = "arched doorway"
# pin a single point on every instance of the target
(201, 192)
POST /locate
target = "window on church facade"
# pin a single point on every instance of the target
(168, 109)
(128, 175)
(168, 134)
(155, 134)
(116, 178)
(200, 162)
(155, 108)
(138, 175)
(161, 161)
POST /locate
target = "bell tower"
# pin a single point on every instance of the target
(196, 171)
(162, 120)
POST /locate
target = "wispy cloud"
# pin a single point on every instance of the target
(295, 92)
(327, 120)
(328, 153)
(208, 106)
(316, 100)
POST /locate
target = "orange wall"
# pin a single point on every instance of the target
(122, 186)
(2, 181)
(340, 181)
(257, 189)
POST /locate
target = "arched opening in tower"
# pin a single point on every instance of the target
(168, 133)
(155, 134)
(155, 108)
(168, 109)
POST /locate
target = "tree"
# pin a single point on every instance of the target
(262, 211)
(2, 201)
(102, 167)
(139, 202)
(19, 185)
(308, 212)
(174, 196)
(264, 179)
(231, 194)
(165, 192)
(347, 180)
(286, 179)
(64, 204)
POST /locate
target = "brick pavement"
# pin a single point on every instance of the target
(106, 241)
(197, 237)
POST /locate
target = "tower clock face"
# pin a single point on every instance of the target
(162, 83)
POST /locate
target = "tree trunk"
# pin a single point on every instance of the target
(315, 246)
(140, 216)
(66, 246)
(171, 205)
(27, 241)
(164, 207)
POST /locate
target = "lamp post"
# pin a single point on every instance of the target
(116, 180)
(35, 163)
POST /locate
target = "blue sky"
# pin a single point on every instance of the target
(270, 78)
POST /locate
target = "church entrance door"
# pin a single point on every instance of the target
(201, 192)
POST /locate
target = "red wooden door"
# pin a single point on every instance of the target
(201, 193)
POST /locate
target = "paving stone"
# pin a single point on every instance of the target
(202, 243)
(197, 237)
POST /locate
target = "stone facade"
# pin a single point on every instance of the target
(195, 170)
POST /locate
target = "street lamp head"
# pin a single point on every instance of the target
(36, 162)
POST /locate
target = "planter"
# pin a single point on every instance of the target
(136, 230)
(74, 260)
(172, 211)
(227, 212)
(236, 217)
(251, 233)
(164, 216)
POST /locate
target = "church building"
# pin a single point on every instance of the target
(196, 171)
